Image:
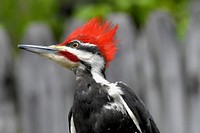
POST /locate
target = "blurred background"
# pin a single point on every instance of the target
(158, 56)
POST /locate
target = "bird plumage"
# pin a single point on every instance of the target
(99, 109)
(99, 106)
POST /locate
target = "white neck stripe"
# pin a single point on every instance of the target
(99, 78)
(72, 126)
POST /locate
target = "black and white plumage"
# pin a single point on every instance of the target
(103, 107)
(99, 106)
(96, 110)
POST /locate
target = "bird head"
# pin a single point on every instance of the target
(90, 45)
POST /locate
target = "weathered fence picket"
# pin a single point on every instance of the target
(123, 67)
(164, 48)
(8, 119)
(151, 92)
(192, 63)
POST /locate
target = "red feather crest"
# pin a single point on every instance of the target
(97, 32)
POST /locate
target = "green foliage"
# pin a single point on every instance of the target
(90, 10)
(138, 9)
(16, 15)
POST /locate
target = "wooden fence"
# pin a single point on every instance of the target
(36, 94)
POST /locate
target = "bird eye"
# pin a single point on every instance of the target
(75, 45)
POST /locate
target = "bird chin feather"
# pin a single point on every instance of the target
(61, 60)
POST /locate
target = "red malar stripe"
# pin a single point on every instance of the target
(69, 56)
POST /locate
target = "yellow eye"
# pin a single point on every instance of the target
(75, 45)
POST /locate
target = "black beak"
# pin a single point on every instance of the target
(38, 49)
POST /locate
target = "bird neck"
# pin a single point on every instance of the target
(97, 73)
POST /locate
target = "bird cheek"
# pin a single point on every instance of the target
(69, 56)
(86, 56)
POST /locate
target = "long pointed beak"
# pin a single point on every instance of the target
(39, 49)
(51, 52)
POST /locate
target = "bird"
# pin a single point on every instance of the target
(99, 106)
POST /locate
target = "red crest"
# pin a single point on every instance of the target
(97, 32)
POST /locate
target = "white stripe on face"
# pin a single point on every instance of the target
(84, 44)
(82, 55)
(61, 60)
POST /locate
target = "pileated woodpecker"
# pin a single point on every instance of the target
(99, 106)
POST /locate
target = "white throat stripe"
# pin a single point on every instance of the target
(72, 126)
